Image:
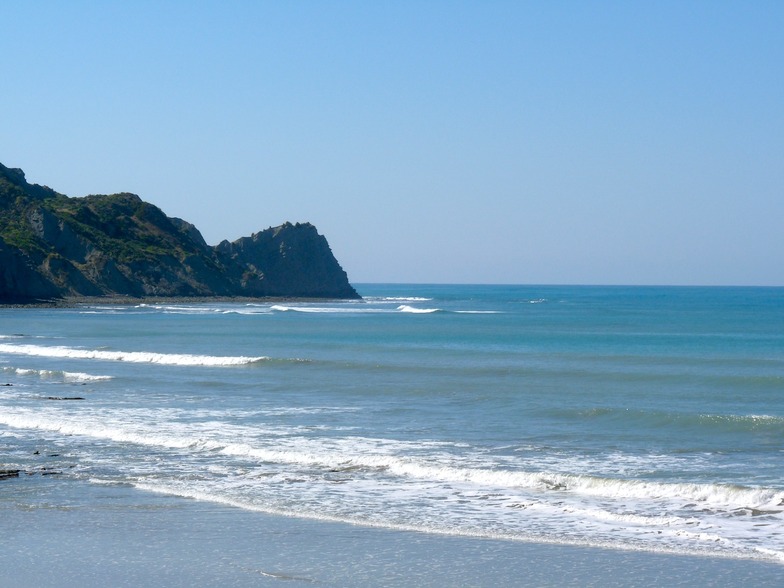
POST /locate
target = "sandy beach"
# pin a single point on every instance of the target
(78, 534)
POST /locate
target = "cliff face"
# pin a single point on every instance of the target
(53, 246)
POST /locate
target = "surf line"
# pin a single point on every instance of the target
(130, 356)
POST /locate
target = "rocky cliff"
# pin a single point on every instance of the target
(53, 246)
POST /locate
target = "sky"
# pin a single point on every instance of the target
(550, 142)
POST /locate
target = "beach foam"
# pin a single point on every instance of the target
(375, 482)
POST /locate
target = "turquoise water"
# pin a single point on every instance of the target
(634, 418)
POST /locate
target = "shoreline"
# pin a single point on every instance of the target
(75, 301)
(68, 532)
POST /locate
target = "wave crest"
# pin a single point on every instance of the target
(56, 374)
(411, 309)
(130, 356)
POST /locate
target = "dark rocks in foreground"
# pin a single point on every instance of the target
(44, 471)
(53, 247)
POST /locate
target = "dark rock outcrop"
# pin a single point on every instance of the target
(53, 246)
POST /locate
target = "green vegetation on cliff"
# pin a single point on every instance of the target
(54, 246)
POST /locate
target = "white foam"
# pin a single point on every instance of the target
(188, 491)
(540, 523)
(402, 484)
(176, 309)
(249, 310)
(129, 356)
(109, 430)
(411, 309)
(56, 374)
(326, 309)
(382, 455)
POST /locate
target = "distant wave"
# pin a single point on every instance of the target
(402, 299)
(415, 310)
(55, 374)
(405, 308)
(717, 422)
(129, 356)
(746, 421)
(411, 309)
(317, 309)
(372, 307)
(184, 309)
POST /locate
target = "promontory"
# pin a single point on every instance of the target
(55, 247)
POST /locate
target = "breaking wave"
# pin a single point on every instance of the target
(411, 309)
(348, 456)
(55, 374)
(337, 477)
(129, 356)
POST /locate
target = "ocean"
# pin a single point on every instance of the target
(648, 419)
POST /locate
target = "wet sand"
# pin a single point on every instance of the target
(85, 535)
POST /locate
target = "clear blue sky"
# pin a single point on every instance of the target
(494, 142)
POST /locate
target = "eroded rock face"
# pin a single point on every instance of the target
(289, 260)
(20, 282)
(53, 246)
